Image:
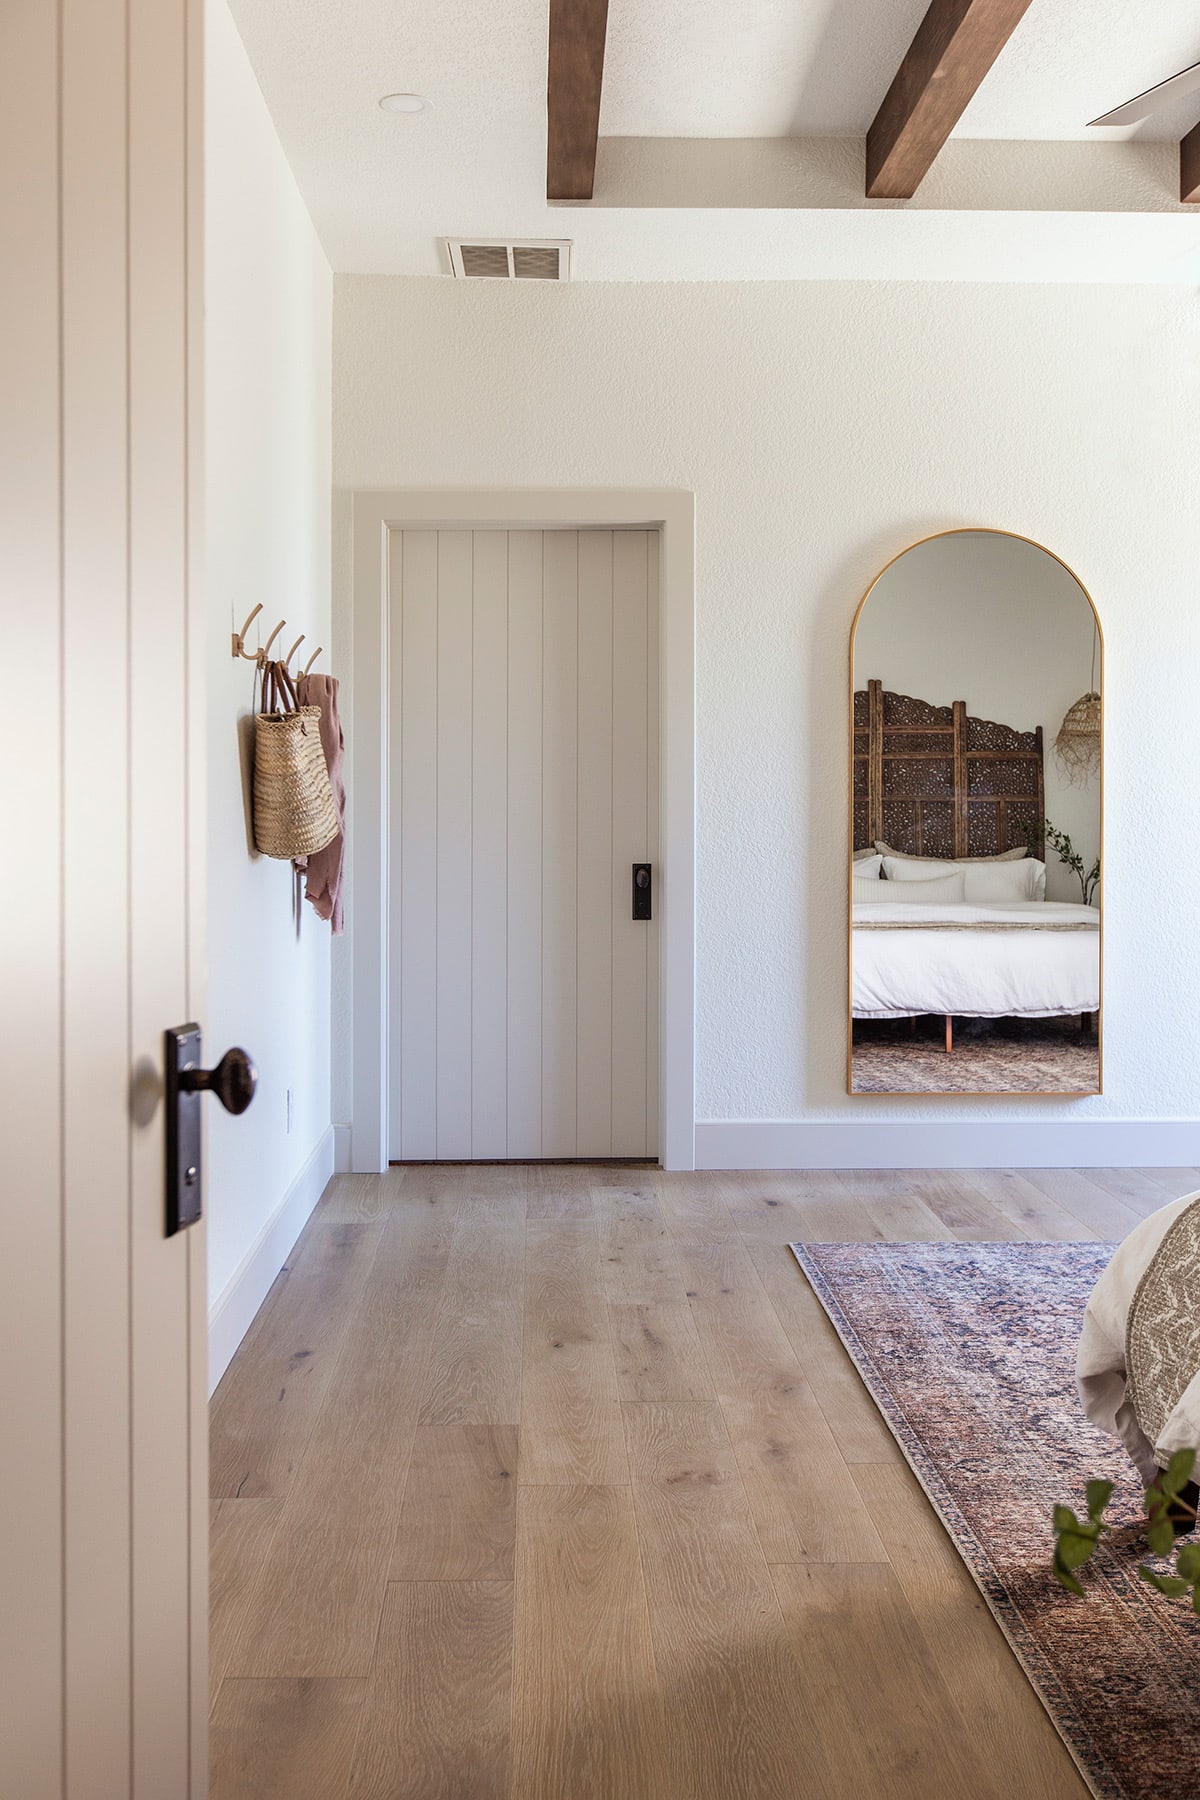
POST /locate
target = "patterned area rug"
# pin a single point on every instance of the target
(1002, 1056)
(968, 1350)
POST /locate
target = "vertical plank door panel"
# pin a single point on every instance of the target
(454, 719)
(560, 650)
(525, 843)
(653, 837)
(630, 727)
(489, 855)
(595, 855)
(95, 1124)
(417, 947)
(158, 603)
(31, 1546)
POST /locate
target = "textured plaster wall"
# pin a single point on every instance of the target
(822, 428)
(268, 307)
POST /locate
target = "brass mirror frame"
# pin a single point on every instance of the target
(967, 1094)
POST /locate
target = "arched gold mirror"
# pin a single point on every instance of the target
(976, 782)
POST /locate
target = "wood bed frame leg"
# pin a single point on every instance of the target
(949, 1033)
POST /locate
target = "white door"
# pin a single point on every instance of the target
(103, 1515)
(524, 786)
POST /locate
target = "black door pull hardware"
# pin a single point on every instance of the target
(233, 1081)
(642, 891)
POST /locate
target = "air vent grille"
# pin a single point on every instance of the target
(485, 259)
(498, 259)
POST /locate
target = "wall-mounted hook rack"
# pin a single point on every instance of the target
(287, 661)
(239, 639)
(312, 659)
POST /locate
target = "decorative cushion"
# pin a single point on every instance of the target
(904, 856)
(947, 890)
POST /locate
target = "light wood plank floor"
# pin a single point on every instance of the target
(556, 1484)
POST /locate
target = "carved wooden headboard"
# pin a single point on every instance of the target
(933, 781)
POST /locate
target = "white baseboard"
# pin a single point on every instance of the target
(948, 1144)
(342, 1150)
(232, 1313)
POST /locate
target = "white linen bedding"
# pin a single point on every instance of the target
(1030, 959)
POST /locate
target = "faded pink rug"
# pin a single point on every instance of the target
(968, 1351)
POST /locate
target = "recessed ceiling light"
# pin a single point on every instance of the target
(404, 103)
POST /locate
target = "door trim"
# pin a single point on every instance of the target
(376, 514)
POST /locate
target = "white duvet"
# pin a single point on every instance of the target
(1025, 958)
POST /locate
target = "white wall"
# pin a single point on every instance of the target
(268, 294)
(1000, 624)
(822, 428)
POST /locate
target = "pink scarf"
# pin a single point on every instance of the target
(323, 870)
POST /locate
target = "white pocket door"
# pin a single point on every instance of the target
(524, 787)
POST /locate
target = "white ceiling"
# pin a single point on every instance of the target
(807, 68)
(383, 188)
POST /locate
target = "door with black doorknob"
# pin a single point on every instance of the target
(523, 1009)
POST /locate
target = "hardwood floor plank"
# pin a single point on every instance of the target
(459, 1517)
(854, 1419)
(1144, 1190)
(692, 1205)
(267, 1402)
(437, 1720)
(239, 1536)
(284, 1739)
(890, 1202)
(587, 1712)
(474, 1374)
(803, 1502)
(680, 1441)
(734, 1695)
(657, 1352)
(1008, 1726)
(1033, 1211)
(855, 1633)
(637, 1253)
(1086, 1200)
(315, 1608)
(952, 1197)
(797, 1205)
(354, 1200)
(571, 1429)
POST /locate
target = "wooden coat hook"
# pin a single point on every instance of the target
(312, 659)
(287, 661)
(265, 652)
(239, 639)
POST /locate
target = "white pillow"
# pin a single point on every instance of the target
(990, 884)
(913, 868)
(999, 856)
(946, 890)
(866, 868)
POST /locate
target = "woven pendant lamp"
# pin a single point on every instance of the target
(1077, 746)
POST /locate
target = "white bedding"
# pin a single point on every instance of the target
(1028, 959)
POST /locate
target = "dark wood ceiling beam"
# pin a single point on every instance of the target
(1189, 167)
(576, 75)
(956, 44)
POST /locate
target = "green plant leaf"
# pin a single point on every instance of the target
(1074, 1548)
(1166, 1584)
(1065, 1577)
(1099, 1493)
(1196, 1599)
(1161, 1537)
(1188, 1562)
(1064, 1519)
(1178, 1471)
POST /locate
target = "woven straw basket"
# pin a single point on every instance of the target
(294, 813)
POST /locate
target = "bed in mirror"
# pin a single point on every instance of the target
(976, 808)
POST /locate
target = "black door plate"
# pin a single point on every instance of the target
(642, 891)
(182, 1050)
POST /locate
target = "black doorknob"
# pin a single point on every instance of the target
(233, 1081)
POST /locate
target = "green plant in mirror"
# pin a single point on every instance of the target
(1068, 855)
(1075, 1539)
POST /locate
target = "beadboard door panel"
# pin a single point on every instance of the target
(523, 1002)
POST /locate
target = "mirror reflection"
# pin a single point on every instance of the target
(975, 878)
